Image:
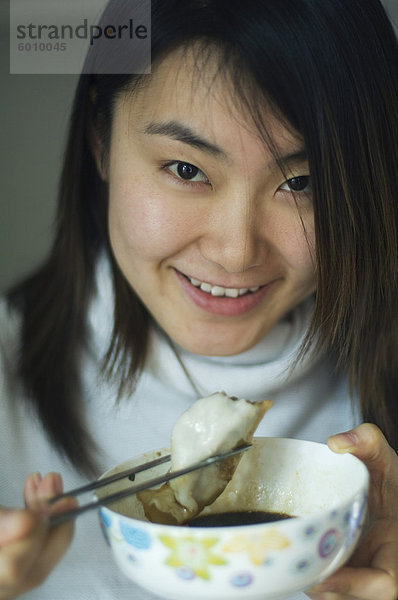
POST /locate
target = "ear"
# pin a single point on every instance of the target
(95, 138)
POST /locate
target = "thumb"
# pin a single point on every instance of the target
(367, 443)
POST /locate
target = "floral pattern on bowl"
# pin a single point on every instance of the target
(251, 562)
(189, 557)
(258, 545)
(194, 555)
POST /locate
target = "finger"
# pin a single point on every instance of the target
(54, 546)
(20, 552)
(26, 562)
(30, 488)
(363, 584)
(367, 443)
(38, 490)
(379, 547)
(15, 525)
(51, 485)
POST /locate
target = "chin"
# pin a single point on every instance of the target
(220, 346)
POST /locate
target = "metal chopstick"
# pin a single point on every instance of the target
(112, 478)
(71, 514)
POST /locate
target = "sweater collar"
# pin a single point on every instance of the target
(254, 374)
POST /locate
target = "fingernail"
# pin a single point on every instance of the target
(343, 442)
(36, 478)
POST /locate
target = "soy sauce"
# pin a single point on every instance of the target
(250, 517)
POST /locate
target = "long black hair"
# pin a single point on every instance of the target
(329, 69)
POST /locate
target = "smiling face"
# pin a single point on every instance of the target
(202, 222)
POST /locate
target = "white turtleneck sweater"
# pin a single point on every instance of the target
(309, 403)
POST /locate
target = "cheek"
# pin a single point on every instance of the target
(301, 256)
(144, 223)
(296, 244)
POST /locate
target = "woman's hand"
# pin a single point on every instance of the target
(372, 571)
(29, 548)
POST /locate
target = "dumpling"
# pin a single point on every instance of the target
(212, 425)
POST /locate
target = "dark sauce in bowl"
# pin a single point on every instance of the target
(228, 519)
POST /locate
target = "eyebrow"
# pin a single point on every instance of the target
(182, 133)
(297, 156)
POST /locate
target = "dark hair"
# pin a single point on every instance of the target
(330, 70)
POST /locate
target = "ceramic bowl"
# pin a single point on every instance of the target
(326, 492)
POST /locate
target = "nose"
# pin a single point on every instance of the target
(232, 237)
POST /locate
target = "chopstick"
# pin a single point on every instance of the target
(72, 514)
(112, 478)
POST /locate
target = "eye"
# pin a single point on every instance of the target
(187, 172)
(297, 184)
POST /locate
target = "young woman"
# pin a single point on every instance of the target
(228, 221)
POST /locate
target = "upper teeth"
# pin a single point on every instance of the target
(217, 290)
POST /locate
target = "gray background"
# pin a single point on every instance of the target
(34, 116)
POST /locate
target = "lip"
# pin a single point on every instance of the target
(223, 306)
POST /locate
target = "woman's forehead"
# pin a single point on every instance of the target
(185, 81)
(194, 91)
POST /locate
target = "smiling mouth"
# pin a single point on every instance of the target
(219, 291)
(221, 301)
